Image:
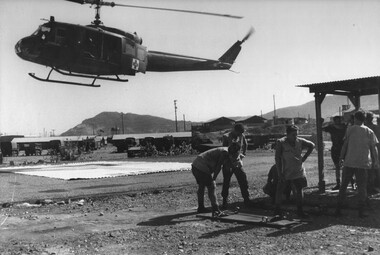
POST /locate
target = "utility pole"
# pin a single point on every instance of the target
(184, 123)
(122, 121)
(175, 111)
(274, 115)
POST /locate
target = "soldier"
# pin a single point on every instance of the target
(290, 168)
(236, 135)
(206, 168)
(373, 174)
(359, 153)
(337, 131)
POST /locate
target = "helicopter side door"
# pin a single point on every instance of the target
(92, 45)
(134, 57)
(111, 49)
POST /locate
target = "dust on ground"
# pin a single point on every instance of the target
(163, 221)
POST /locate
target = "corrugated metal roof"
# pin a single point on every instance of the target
(250, 117)
(31, 140)
(360, 86)
(51, 138)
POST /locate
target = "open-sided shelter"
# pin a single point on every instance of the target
(353, 89)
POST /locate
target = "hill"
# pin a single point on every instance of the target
(107, 123)
(330, 107)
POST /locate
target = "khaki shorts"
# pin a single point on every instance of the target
(202, 177)
(299, 183)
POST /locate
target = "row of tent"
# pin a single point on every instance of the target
(13, 145)
(162, 141)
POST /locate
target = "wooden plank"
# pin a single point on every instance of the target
(261, 220)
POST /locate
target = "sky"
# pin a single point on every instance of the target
(295, 43)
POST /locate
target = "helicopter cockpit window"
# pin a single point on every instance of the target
(60, 36)
(42, 31)
(128, 46)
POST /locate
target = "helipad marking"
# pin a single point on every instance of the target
(90, 170)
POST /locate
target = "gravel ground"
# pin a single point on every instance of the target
(156, 214)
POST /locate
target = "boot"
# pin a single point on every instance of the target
(225, 203)
(338, 212)
(215, 211)
(203, 210)
(353, 184)
(337, 186)
(301, 213)
(278, 211)
(248, 202)
(362, 214)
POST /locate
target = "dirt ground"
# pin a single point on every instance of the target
(163, 220)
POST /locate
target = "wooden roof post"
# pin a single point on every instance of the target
(378, 102)
(319, 97)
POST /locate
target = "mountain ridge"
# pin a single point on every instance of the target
(108, 123)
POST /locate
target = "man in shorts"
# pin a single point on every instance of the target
(206, 168)
(290, 167)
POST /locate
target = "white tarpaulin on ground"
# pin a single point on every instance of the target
(90, 170)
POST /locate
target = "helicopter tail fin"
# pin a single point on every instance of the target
(231, 54)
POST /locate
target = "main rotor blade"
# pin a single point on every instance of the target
(179, 10)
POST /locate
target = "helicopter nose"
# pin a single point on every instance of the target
(18, 47)
(26, 48)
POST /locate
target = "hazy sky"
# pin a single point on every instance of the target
(295, 43)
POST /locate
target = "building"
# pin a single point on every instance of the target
(300, 121)
(218, 124)
(252, 121)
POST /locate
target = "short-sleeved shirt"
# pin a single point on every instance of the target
(375, 129)
(358, 154)
(291, 157)
(212, 160)
(232, 136)
(337, 133)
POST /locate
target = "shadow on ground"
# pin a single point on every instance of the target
(320, 207)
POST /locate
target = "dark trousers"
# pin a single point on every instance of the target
(373, 179)
(361, 176)
(241, 177)
(296, 185)
(335, 154)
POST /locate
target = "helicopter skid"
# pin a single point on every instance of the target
(63, 82)
(76, 75)
(90, 76)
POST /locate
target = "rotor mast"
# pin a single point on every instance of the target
(99, 4)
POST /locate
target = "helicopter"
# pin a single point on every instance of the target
(99, 52)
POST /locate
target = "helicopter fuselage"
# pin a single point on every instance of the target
(95, 50)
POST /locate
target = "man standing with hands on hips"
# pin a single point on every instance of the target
(290, 168)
